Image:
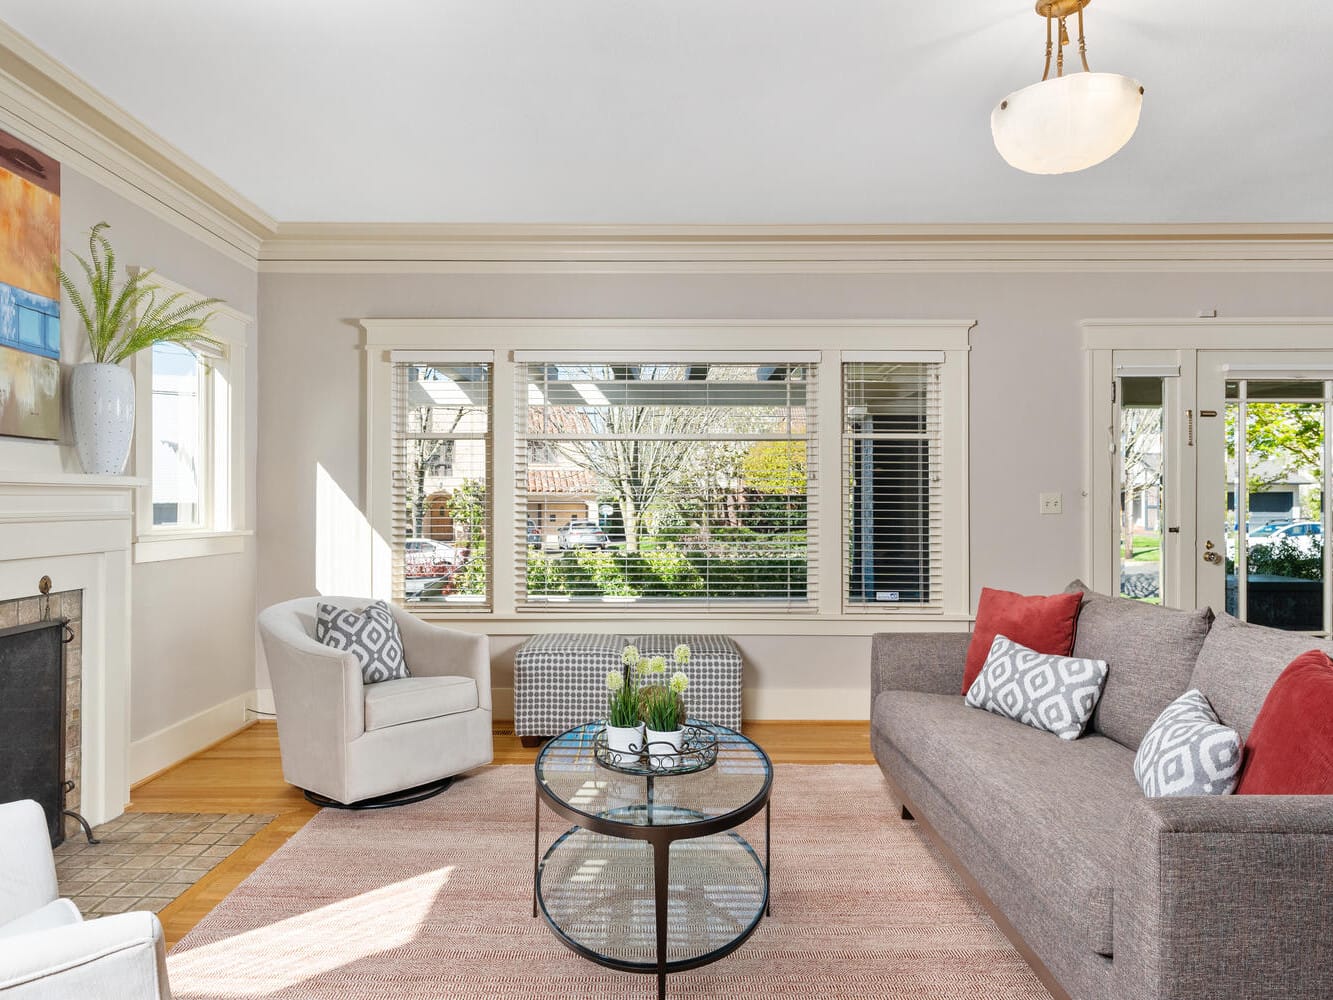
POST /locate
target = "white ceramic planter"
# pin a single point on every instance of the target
(625, 739)
(660, 746)
(102, 404)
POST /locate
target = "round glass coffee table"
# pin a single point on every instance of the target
(653, 877)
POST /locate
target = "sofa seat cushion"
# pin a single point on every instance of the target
(1051, 811)
(1150, 652)
(1239, 663)
(412, 699)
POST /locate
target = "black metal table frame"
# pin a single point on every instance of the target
(661, 838)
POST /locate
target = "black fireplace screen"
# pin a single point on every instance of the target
(32, 718)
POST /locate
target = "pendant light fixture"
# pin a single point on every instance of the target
(1066, 123)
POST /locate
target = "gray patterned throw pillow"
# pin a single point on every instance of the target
(1041, 690)
(371, 635)
(1187, 751)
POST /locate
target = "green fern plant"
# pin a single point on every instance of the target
(121, 323)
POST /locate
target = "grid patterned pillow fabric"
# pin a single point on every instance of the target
(1041, 690)
(371, 635)
(1187, 751)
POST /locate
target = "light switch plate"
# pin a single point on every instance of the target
(1051, 503)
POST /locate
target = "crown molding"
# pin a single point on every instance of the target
(46, 104)
(347, 248)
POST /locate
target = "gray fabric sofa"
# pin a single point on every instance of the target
(1110, 895)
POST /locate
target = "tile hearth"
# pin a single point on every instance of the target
(146, 860)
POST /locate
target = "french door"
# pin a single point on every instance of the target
(1220, 463)
(1262, 475)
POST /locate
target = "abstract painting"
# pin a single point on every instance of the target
(29, 291)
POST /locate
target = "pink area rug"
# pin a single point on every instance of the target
(434, 901)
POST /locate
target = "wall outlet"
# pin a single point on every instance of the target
(1051, 503)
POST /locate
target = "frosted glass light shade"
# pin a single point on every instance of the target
(1067, 123)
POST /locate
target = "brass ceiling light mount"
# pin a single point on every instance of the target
(1057, 12)
(1066, 123)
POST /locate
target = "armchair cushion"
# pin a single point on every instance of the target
(412, 699)
(371, 635)
(57, 914)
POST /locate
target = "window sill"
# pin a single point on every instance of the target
(163, 546)
(739, 624)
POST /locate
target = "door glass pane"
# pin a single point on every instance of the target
(1142, 496)
(177, 436)
(1275, 521)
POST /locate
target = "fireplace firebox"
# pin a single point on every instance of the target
(32, 719)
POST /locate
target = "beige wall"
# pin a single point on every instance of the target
(1027, 405)
(193, 622)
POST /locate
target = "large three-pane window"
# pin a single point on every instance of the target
(683, 482)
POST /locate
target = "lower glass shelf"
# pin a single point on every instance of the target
(597, 894)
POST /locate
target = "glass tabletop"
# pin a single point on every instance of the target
(568, 771)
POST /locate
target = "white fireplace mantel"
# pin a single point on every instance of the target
(78, 530)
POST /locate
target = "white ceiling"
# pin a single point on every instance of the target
(724, 112)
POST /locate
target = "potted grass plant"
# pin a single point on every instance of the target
(624, 729)
(662, 706)
(120, 323)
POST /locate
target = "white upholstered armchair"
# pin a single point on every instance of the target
(47, 950)
(348, 742)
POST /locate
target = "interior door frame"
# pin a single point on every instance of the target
(1153, 342)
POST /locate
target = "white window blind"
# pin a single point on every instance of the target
(678, 483)
(891, 484)
(442, 485)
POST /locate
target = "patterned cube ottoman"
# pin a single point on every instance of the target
(560, 678)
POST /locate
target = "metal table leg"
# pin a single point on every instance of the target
(661, 879)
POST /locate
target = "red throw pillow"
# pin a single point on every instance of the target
(1042, 624)
(1290, 749)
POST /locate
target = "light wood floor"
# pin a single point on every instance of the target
(243, 774)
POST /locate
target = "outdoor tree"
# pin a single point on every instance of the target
(1141, 463)
(1280, 439)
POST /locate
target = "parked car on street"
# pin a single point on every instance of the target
(534, 533)
(426, 560)
(1304, 535)
(582, 535)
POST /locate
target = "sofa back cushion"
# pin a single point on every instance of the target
(1239, 663)
(1150, 652)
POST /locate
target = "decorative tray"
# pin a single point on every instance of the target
(698, 752)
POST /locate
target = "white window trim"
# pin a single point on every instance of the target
(224, 530)
(831, 340)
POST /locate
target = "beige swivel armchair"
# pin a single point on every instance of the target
(47, 950)
(344, 742)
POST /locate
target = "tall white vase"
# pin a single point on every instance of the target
(102, 403)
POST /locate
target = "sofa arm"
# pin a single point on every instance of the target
(929, 662)
(113, 957)
(1226, 896)
(433, 651)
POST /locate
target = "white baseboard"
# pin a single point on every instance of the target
(825, 704)
(176, 742)
(261, 701)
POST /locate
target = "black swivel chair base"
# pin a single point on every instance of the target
(406, 797)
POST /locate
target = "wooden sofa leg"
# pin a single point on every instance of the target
(532, 741)
(906, 814)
